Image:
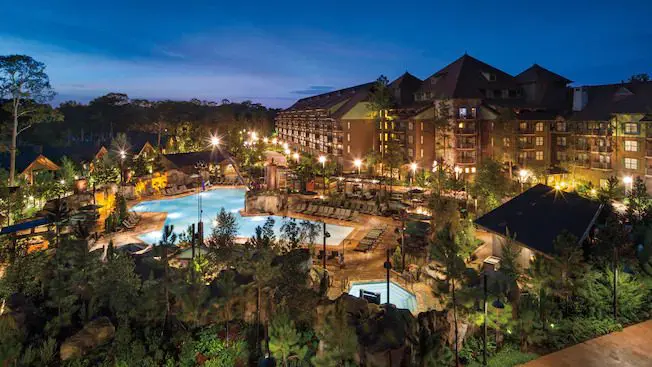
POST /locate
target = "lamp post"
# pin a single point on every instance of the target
(523, 174)
(325, 236)
(615, 295)
(357, 163)
(388, 267)
(484, 326)
(628, 181)
(322, 160)
(413, 168)
(123, 155)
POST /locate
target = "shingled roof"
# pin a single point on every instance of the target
(537, 216)
(181, 160)
(404, 88)
(537, 73)
(466, 77)
(331, 99)
(609, 99)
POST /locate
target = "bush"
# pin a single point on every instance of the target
(473, 348)
(572, 331)
(510, 356)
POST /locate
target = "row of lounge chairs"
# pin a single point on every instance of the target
(175, 190)
(229, 181)
(362, 207)
(371, 239)
(131, 221)
(327, 211)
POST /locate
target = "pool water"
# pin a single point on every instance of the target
(398, 296)
(183, 211)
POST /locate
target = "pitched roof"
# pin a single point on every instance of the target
(466, 77)
(192, 158)
(78, 153)
(537, 216)
(331, 99)
(537, 73)
(529, 115)
(404, 88)
(26, 158)
(606, 100)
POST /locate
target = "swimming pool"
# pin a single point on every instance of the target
(398, 296)
(182, 212)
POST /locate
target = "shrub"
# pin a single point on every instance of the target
(572, 331)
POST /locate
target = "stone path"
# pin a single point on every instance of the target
(629, 348)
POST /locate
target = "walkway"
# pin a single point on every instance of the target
(628, 348)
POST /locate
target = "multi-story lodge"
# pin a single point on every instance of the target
(470, 110)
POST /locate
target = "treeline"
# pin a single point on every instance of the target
(105, 116)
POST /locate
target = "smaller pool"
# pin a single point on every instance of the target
(398, 296)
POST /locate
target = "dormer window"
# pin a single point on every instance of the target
(489, 76)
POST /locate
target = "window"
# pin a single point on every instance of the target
(631, 163)
(562, 156)
(348, 149)
(421, 139)
(462, 112)
(473, 112)
(348, 137)
(539, 140)
(539, 126)
(561, 141)
(410, 139)
(539, 155)
(631, 146)
(410, 126)
(522, 126)
(422, 126)
(561, 126)
(506, 142)
(410, 152)
(348, 125)
(421, 153)
(631, 128)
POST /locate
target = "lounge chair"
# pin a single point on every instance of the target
(344, 214)
(329, 211)
(355, 216)
(339, 213)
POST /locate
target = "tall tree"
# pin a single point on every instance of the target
(446, 253)
(25, 84)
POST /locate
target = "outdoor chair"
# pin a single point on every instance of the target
(355, 216)
(309, 210)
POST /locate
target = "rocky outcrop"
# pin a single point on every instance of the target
(94, 334)
(266, 203)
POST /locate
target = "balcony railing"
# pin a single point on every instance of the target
(601, 165)
(601, 149)
(527, 130)
(648, 171)
(465, 130)
(580, 162)
(525, 145)
(465, 145)
(465, 160)
(582, 147)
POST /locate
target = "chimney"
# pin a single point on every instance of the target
(580, 98)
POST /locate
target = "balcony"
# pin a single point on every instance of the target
(465, 130)
(526, 146)
(602, 149)
(580, 162)
(648, 153)
(601, 165)
(527, 130)
(648, 171)
(584, 147)
(465, 145)
(465, 160)
(468, 116)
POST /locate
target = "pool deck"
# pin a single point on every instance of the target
(358, 266)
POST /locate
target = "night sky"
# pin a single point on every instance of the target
(276, 52)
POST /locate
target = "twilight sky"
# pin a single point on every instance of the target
(275, 52)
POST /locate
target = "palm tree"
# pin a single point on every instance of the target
(445, 251)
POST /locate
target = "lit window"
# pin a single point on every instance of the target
(631, 163)
(421, 139)
(522, 126)
(539, 126)
(421, 153)
(348, 137)
(348, 149)
(410, 139)
(631, 128)
(463, 112)
(348, 125)
(561, 126)
(539, 140)
(631, 146)
(410, 152)
(539, 156)
(410, 126)
(561, 141)
(422, 126)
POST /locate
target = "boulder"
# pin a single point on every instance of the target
(94, 334)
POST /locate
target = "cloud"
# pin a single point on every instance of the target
(313, 89)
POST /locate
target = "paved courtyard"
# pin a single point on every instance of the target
(629, 348)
